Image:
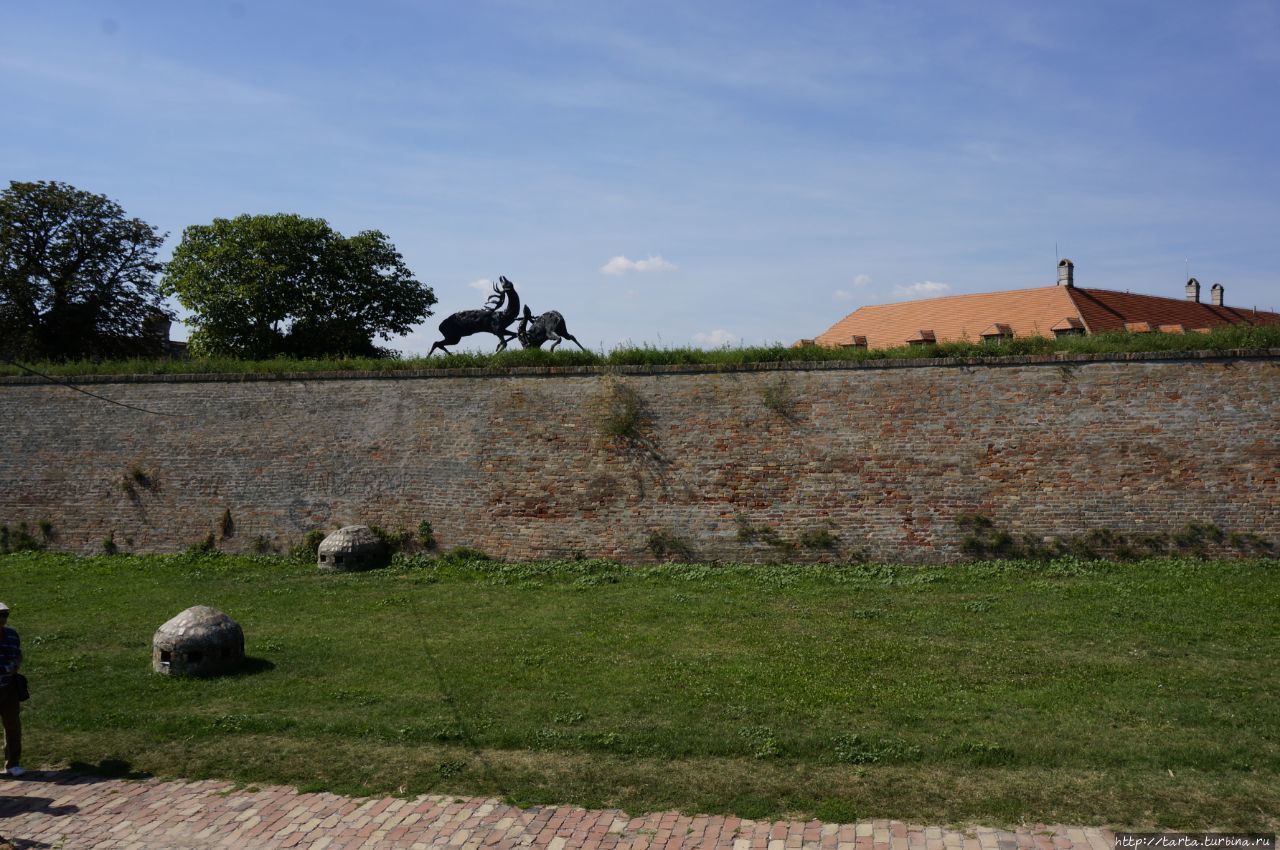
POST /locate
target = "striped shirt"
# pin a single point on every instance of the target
(10, 655)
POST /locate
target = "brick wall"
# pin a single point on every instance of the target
(884, 456)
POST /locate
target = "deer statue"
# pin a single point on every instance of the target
(535, 330)
(492, 318)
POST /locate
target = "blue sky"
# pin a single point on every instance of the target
(683, 173)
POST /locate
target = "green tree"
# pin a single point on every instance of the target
(77, 277)
(264, 285)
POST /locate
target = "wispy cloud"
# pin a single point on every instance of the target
(861, 281)
(716, 338)
(923, 289)
(622, 265)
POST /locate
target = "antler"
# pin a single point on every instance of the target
(495, 299)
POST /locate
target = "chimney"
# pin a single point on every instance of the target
(1193, 290)
(1065, 273)
(1215, 295)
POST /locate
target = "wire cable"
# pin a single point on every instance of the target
(72, 386)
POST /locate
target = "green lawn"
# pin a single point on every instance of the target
(1133, 694)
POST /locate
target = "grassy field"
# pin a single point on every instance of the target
(1221, 339)
(1133, 694)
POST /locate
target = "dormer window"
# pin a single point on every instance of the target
(997, 334)
(1138, 327)
(1172, 329)
(1070, 326)
(855, 342)
(923, 337)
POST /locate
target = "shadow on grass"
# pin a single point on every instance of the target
(252, 667)
(110, 768)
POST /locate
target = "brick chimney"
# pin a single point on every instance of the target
(1215, 294)
(1193, 290)
(1066, 269)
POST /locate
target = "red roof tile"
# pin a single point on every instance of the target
(1029, 312)
(1107, 310)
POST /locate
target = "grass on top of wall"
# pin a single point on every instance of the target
(1221, 339)
(1136, 694)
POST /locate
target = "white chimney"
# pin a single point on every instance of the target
(1215, 294)
(1065, 273)
(1193, 290)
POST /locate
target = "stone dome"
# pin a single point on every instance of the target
(352, 547)
(201, 641)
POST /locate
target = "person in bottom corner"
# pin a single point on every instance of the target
(10, 707)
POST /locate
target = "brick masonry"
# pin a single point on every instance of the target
(884, 455)
(76, 812)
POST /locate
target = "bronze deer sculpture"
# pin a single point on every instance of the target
(493, 318)
(533, 331)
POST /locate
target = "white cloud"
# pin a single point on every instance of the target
(861, 280)
(621, 265)
(923, 289)
(482, 285)
(842, 295)
(716, 339)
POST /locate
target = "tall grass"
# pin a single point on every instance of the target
(1220, 339)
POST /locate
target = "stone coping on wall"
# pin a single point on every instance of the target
(663, 369)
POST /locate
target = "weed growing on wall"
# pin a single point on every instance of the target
(818, 538)
(18, 539)
(766, 534)
(203, 547)
(982, 539)
(618, 410)
(778, 396)
(664, 545)
(426, 536)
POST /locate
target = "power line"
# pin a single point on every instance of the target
(72, 386)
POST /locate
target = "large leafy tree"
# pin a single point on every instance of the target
(263, 285)
(77, 276)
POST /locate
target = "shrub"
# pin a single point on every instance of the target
(664, 544)
(426, 537)
(309, 548)
(18, 540)
(618, 409)
(463, 555)
(394, 541)
(203, 547)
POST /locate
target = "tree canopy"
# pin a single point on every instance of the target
(77, 277)
(265, 285)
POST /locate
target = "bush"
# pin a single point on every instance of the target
(666, 545)
(309, 548)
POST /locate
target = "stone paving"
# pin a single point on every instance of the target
(66, 811)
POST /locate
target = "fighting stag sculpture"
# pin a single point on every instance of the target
(493, 318)
(533, 331)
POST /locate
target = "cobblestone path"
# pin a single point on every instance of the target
(69, 811)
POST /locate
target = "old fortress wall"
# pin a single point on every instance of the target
(884, 456)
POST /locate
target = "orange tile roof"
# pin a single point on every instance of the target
(1107, 310)
(1029, 312)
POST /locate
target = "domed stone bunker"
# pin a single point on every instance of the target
(352, 547)
(201, 641)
